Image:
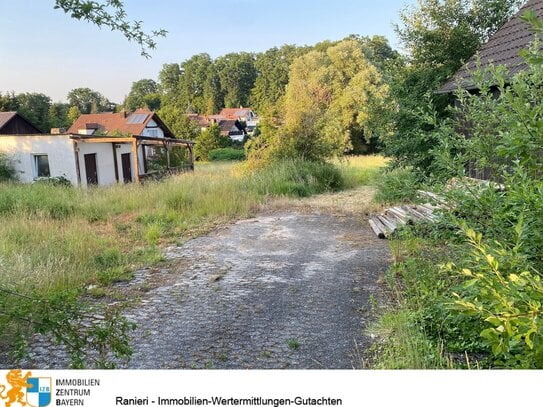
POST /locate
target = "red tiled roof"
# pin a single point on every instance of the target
(133, 123)
(501, 49)
(233, 112)
(201, 120)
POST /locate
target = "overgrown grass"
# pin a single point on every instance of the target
(53, 237)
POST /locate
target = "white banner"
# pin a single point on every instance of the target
(98, 388)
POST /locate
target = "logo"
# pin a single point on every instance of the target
(38, 390)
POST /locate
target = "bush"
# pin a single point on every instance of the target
(505, 294)
(7, 172)
(55, 181)
(397, 185)
(297, 177)
(226, 154)
(209, 139)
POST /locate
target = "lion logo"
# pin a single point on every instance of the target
(17, 381)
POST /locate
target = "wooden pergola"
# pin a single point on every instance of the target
(136, 141)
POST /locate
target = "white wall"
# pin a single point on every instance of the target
(59, 149)
(105, 164)
(125, 148)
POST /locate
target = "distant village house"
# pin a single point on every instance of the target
(235, 123)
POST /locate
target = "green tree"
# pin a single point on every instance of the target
(58, 115)
(138, 92)
(270, 85)
(35, 108)
(8, 102)
(213, 95)
(331, 97)
(438, 35)
(192, 83)
(73, 114)
(237, 75)
(209, 139)
(111, 14)
(89, 101)
(179, 123)
(168, 82)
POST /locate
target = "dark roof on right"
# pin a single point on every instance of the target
(501, 49)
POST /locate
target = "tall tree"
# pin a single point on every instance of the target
(73, 114)
(237, 74)
(331, 96)
(179, 123)
(192, 82)
(138, 93)
(272, 77)
(168, 81)
(89, 101)
(58, 115)
(35, 108)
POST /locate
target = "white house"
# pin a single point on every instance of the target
(98, 149)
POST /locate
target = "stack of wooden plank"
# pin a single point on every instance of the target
(386, 224)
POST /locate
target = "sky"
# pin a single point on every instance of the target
(44, 50)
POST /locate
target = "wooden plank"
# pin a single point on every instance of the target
(381, 226)
(388, 224)
(398, 214)
(378, 232)
(104, 140)
(136, 160)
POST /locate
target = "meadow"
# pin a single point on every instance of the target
(55, 237)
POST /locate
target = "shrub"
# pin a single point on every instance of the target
(209, 139)
(299, 178)
(505, 293)
(397, 185)
(7, 172)
(226, 154)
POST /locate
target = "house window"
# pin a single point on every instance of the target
(152, 132)
(41, 165)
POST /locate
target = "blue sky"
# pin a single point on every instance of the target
(44, 50)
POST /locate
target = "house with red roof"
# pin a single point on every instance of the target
(100, 149)
(235, 123)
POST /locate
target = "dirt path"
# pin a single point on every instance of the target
(290, 288)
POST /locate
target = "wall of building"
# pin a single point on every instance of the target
(21, 150)
(105, 162)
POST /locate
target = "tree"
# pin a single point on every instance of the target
(438, 35)
(89, 101)
(331, 96)
(111, 14)
(138, 93)
(237, 74)
(212, 91)
(58, 115)
(179, 123)
(192, 83)
(272, 67)
(8, 102)
(35, 108)
(73, 114)
(168, 82)
(208, 140)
